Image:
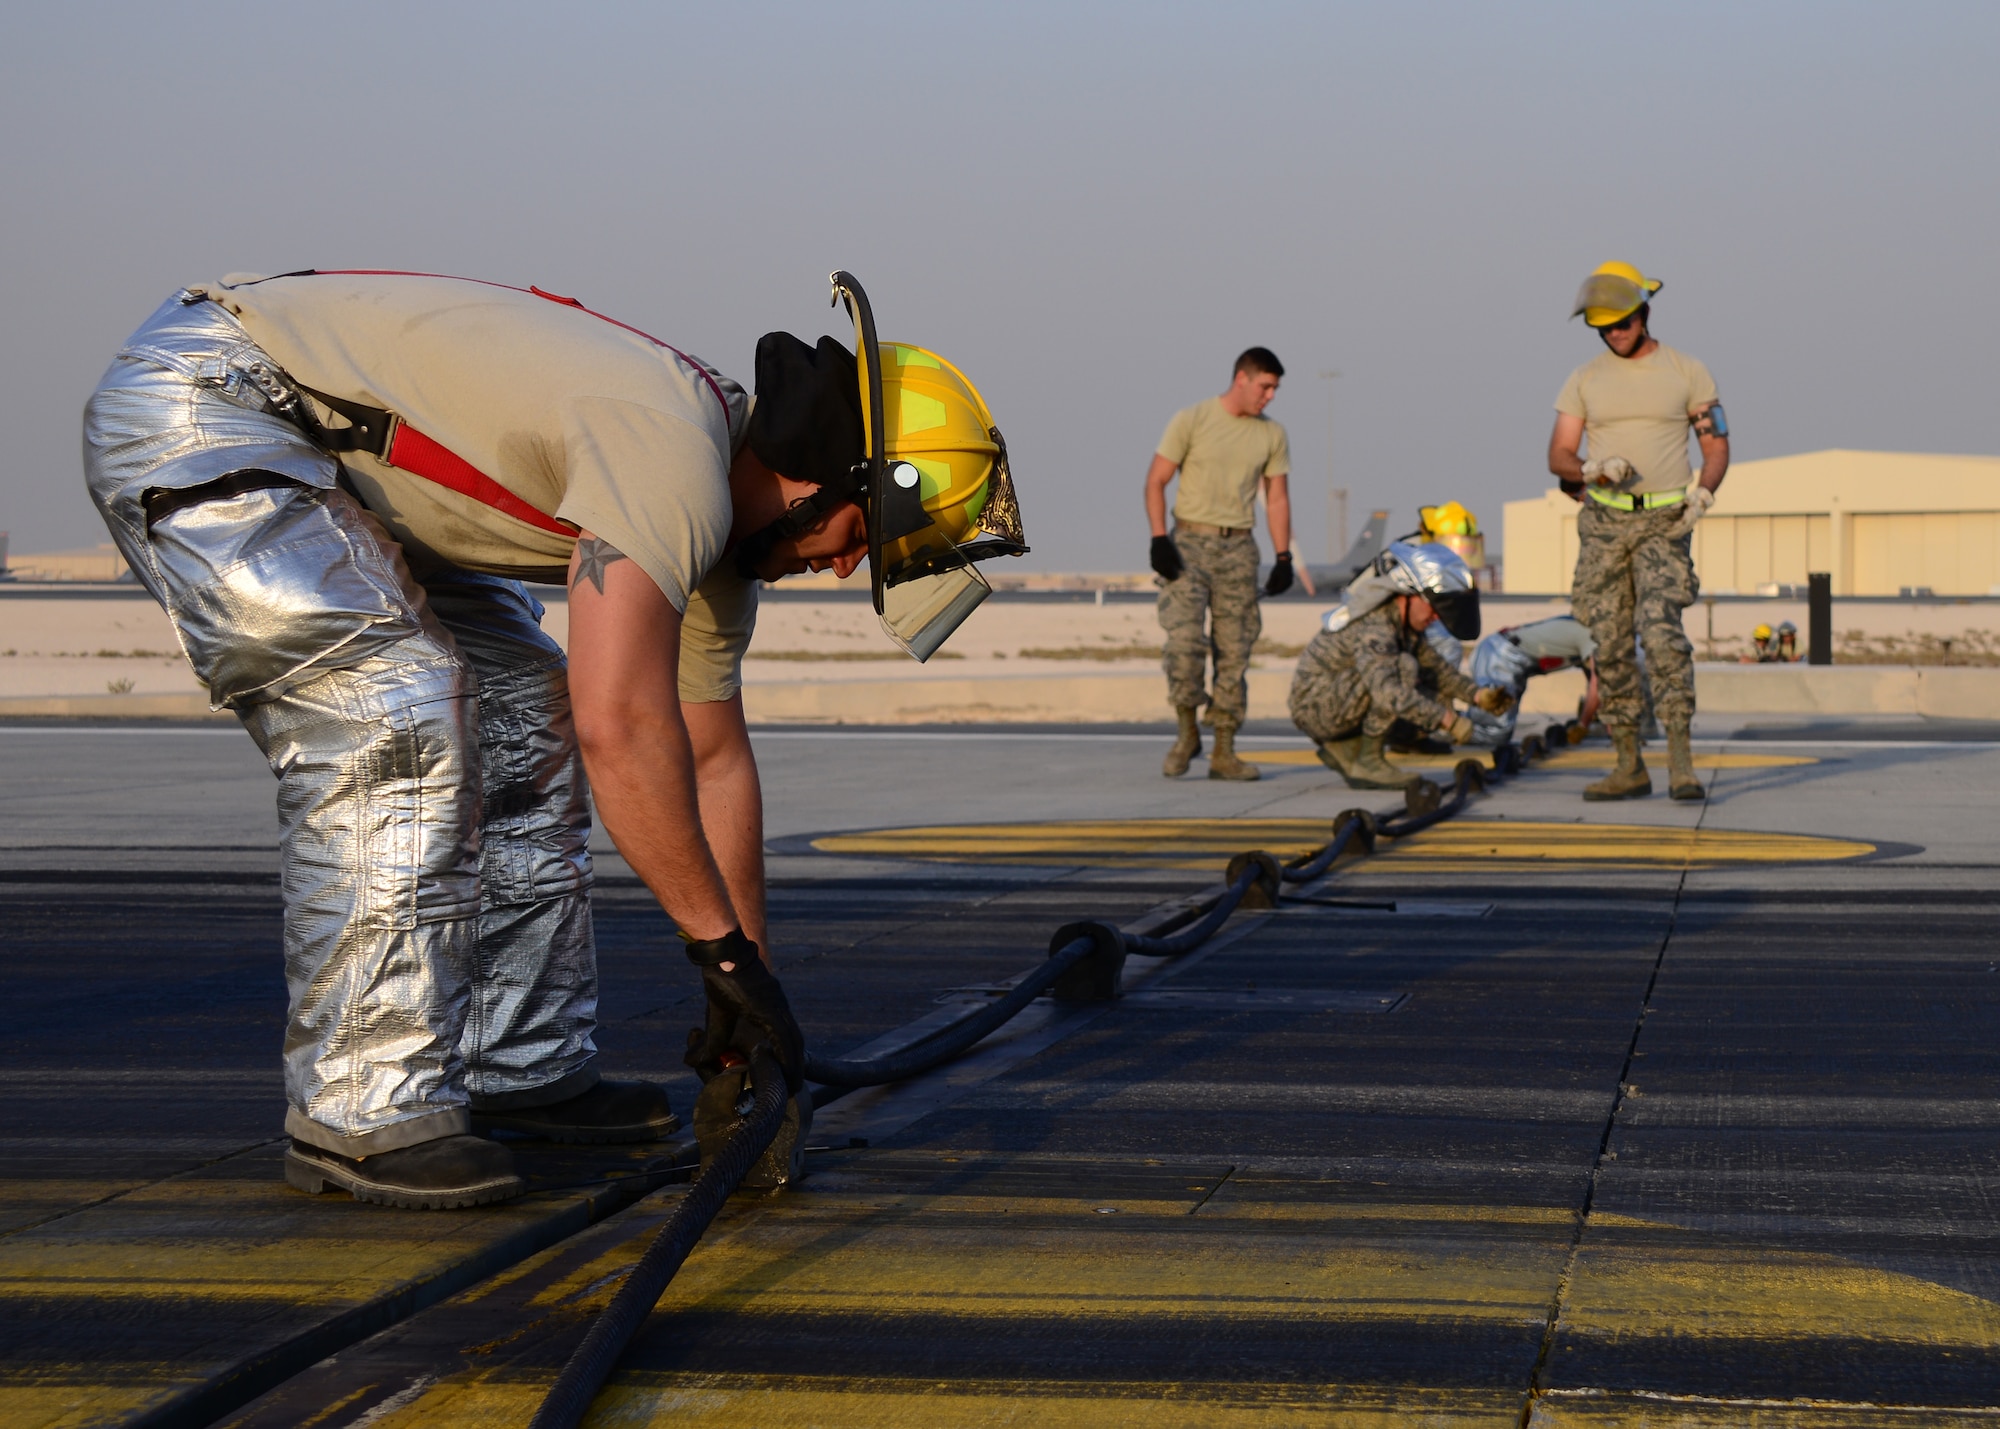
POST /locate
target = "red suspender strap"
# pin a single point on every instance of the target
(410, 450)
(416, 453)
(566, 302)
(388, 438)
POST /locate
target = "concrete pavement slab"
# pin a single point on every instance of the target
(1682, 1113)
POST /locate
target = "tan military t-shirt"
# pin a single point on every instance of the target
(1222, 458)
(716, 628)
(585, 420)
(1640, 408)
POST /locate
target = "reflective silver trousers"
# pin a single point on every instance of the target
(431, 799)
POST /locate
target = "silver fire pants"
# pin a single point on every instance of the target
(431, 799)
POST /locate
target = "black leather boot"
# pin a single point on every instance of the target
(442, 1175)
(608, 1112)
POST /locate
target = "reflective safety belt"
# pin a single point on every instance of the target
(390, 439)
(1638, 500)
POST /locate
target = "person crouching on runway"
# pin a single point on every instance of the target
(1369, 666)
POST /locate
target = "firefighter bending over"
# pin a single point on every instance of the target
(335, 483)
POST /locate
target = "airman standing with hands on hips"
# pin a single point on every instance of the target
(1634, 404)
(1226, 451)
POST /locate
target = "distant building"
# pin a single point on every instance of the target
(1880, 522)
(91, 563)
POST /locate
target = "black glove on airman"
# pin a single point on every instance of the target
(1280, 579)
(746, 1009)
(1167, 558)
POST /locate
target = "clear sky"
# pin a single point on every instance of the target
(1091, 208)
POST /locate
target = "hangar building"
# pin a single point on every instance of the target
(1881, 522)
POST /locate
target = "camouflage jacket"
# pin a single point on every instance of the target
(1372, 650)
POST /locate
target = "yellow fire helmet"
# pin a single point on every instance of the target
(1612, 292)
(938, 492)
(1761, 633)
(1452, 526)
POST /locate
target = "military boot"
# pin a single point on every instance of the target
(1629, 780)
(442, 1175)
(1359, 761)
(607, 1113)
(1222, 760)
(1186, 746)
(1681, 781)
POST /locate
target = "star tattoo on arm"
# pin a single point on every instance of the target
(593, 554)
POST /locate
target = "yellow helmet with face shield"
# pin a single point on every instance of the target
(938, 426)
(904, 435)
(1452, 525)
(938, 493)
(1612, 293)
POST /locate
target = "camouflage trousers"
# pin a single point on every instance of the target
(1632, 577)
(1336, 704)
(1211, 610)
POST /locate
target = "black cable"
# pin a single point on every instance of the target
(1198, 932)
(1320, 862)
(570, 1397)
(951, 1040)
(591, 1364)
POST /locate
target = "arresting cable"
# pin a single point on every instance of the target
(1255, 879)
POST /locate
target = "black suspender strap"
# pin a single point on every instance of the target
(370, 429)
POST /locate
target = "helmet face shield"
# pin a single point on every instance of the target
(922, 608)
(1457, 611)
(936, 491)
(1605, 298)
(1440, 576)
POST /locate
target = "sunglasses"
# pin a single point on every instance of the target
(1627, 321)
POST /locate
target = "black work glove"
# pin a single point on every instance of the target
(747, 1009)
(1167, 558)
(1280, 579)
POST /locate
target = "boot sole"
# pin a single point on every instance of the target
(1688, 794)
(1590, 798)
(486, 1124)
(1248, 777)
(316, 1177)
(1362, 781)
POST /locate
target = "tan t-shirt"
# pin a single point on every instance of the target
(1640, 408)
(721, 616)
(1222, 457)
(583, 419)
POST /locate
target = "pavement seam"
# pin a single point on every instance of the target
(1220, 1182)
(69, 1211)
(1561, 1297)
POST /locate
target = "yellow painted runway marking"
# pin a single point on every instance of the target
(1561, 759)
(1493, 845)
(1457, 845)
(1752, 1292)
(214, 1270)
(1597, 1409)
(912, 1273)
(642, 1400)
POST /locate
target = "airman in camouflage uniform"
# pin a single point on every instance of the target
(1359, 680)
(1223, 452)
(1634, 405)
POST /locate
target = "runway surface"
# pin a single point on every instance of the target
(1607, 1114)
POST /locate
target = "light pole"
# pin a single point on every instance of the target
(1336, 496)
